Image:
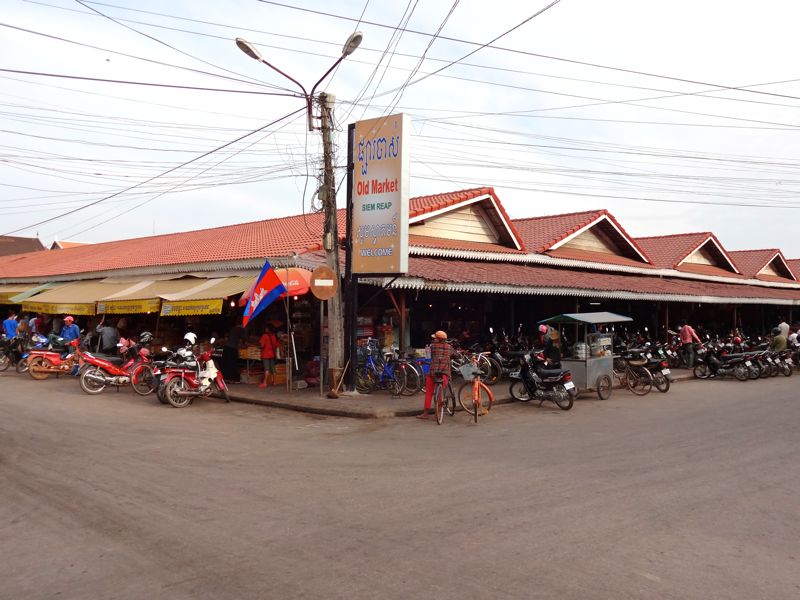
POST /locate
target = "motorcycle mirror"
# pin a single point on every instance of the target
(491, 330)
(212, 340)
(645, 328)
(164, 349)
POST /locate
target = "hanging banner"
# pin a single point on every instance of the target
(128, 307)
(50, 308)
(184, 308)
(380, 195)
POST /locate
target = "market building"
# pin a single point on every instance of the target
(470, 267)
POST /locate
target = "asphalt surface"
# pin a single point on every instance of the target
(692, 494)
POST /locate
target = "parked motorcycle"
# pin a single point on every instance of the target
(534, 380)
(57, 361)
(192, 379)
(131, 368)
(15, 351)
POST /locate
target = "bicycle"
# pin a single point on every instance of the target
(632, 374)
(443, 398)
(471, 392)
(374, 372)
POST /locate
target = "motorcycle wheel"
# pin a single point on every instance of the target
(22, 365)
(786, 370)
(661, 382)
(741, 372)
(754, 372)
(603, 387)
(701, 371)
(775, 369)
(224, 390)
(5, 361)
(161, 393)
(88, 382)
(564, 399)
(142, 379)
(175, 386)
(518, 391)
(37, 362)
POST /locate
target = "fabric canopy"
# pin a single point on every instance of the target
(145, 296)
(77, 298)
(592, 318)
(296, 281)
(9, 291)
(205, 298)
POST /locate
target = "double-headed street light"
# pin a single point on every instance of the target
(330, 239)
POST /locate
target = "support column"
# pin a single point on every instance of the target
(401, 301)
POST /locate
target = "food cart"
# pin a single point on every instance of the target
(591, 361)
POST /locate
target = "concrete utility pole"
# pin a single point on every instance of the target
(331, 234)
(330, 237)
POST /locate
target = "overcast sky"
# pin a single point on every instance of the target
(671, 153)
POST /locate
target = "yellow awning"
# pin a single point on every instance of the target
(205, 298)
(10, 290)
(76, 298)
(144, 296)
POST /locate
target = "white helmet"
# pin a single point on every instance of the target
(191, 338)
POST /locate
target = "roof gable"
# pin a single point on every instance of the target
(477, 214)
(698, 252)
(767, 264)
(590, 235)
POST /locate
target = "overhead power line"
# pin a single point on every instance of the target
(141, 183)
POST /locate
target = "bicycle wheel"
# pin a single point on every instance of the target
(5, 361)
(640, 381)
(413, 380)
(465, 397)
(365, 380)
(449, 399)
(603, 386)
(438, 406)
(397, 380)
(489, 373)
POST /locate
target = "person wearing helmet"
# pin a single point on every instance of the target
(542, 337)
(108, 337)
(190, 338)
(778, 343)
(145, 338)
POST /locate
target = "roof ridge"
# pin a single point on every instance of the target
(482, 188)
(671, 235)
(579, 212)
(759, 250)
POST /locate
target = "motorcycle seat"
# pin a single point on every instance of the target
(546, 373)
(114, 360)
(638, 362)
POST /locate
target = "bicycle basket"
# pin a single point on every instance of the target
(469, 371)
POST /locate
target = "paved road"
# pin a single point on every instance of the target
(693, 494)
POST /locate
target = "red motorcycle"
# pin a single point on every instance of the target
(43, 363)
(98, 372)
(193, 378)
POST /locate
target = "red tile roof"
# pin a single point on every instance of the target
(667, 251)
(708, 270)
(542, 233)
(58, 245)
(258, 239)
(597, 257)
(448, 244)
(457, 271)
(750, 262)
(17, 245)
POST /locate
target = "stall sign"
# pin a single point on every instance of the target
(49, 308)
(128, 307)
(380, 195)
(191, 307)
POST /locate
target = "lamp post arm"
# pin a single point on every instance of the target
(328, 72)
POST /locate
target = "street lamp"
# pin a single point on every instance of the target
(330, 237)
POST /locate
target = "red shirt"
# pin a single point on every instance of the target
(269, 343)
(687, 335)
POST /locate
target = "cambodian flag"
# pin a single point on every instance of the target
(267, 287)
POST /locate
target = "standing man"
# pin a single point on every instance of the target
(688, 338)
(109, 337)
(441, 352)
(784, 327)
(10, 325)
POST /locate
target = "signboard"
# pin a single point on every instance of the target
(380, 195)
(184, 308)
(324, 283)
(50, 308)
(128, 307)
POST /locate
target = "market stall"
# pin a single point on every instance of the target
(591, 360)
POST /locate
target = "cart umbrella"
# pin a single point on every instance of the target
(589, 318)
